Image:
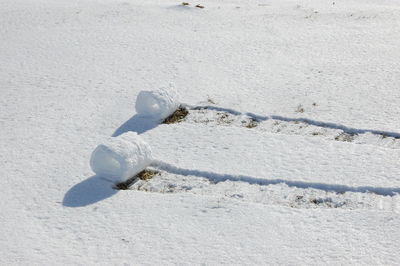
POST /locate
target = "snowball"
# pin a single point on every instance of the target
(158, 104)
(121, 157)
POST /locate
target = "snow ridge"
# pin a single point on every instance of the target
(216, 177)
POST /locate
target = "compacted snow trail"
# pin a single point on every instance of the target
(297, 160)
(288, 190)
(213, 115)
(201, 127)
(273, 194)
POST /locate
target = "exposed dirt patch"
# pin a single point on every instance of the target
(146, 174)
(317, 133)
(177, 116)
(224, 118)
(346, 137)
(327, 202)
(252, 123)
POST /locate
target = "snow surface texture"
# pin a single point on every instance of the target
(301, 161)
(70, 69)
(217, 116)
(120, 158)
(280, 194)
(157, 104)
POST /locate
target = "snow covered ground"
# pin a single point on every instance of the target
(296, 159)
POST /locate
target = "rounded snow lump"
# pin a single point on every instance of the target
(122, 157)
(158, 104)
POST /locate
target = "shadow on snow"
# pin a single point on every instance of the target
(136, 123)
(95, 188)
(89, 191)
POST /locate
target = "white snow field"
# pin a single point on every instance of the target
(290, 153)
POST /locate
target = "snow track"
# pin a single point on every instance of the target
(274, 194)
(285, 192)
(213, 115)
(217, 178)
(309, 170)
(296, 189)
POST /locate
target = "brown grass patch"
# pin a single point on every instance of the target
(224, 118)
(346, 137)
(146, 174)
(177, 116)
(252, 123)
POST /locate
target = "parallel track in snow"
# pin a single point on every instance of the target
(218, 116)
(173, 179)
